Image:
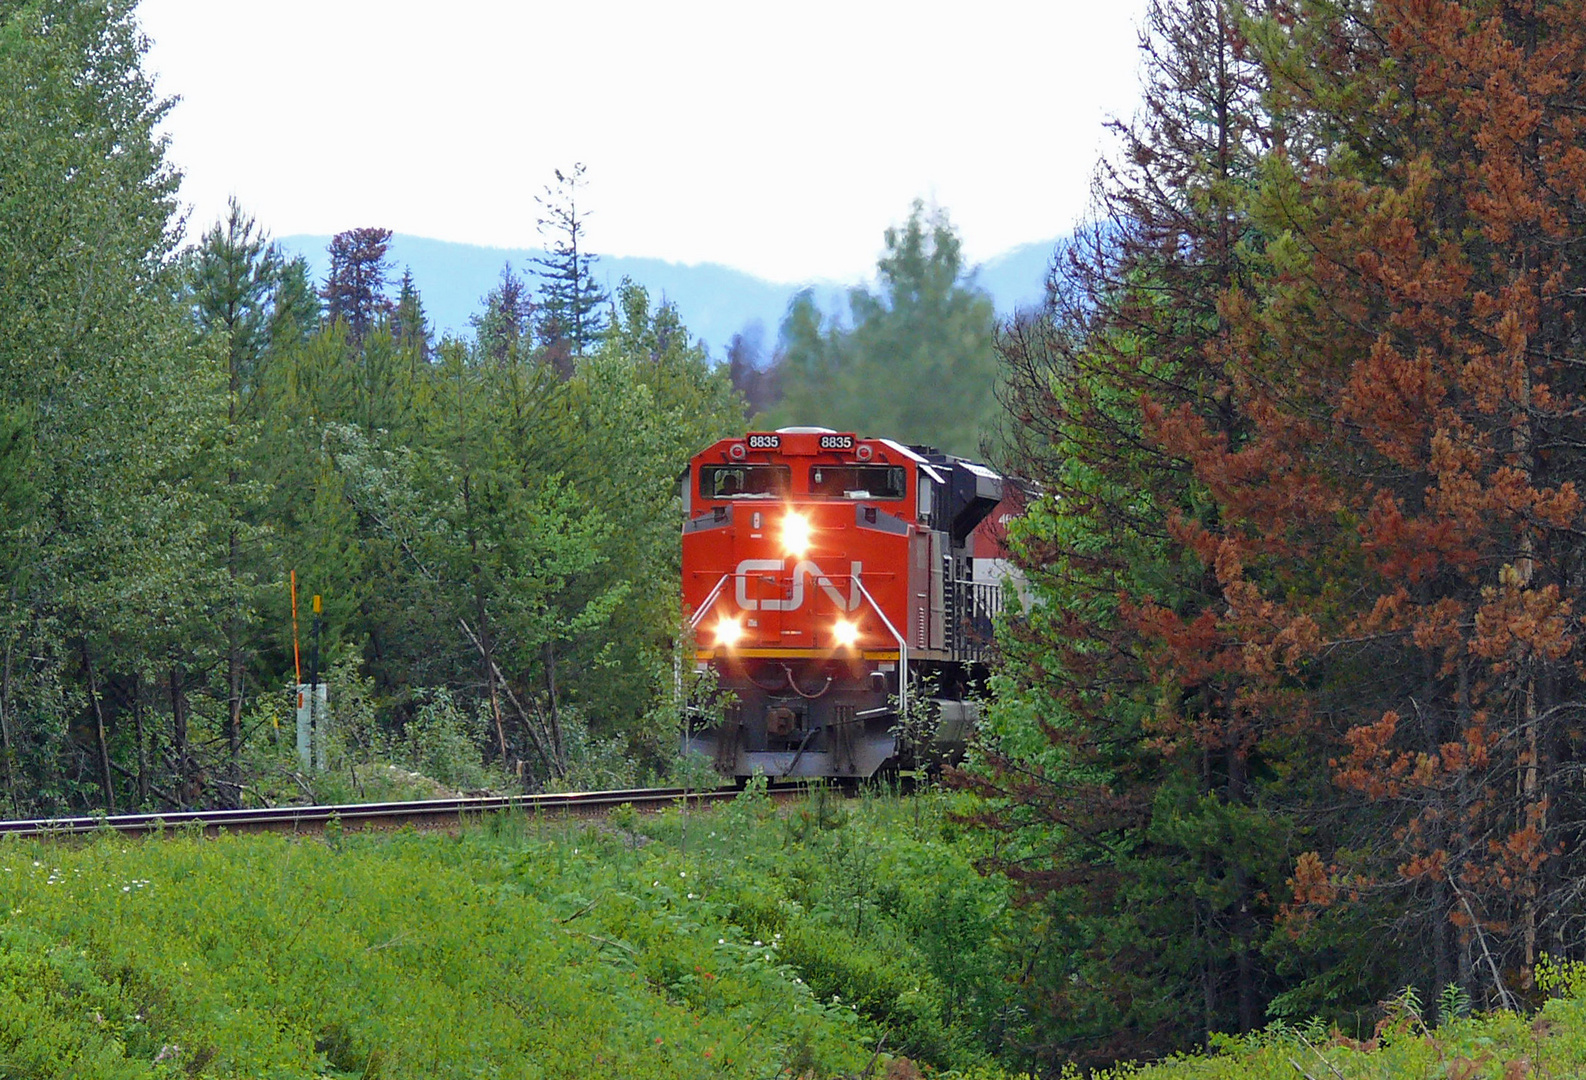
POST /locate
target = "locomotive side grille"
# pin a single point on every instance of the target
(974, 607)
(950, 606)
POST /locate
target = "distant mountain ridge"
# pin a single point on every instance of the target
(715, 301)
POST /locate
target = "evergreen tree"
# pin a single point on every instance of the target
(572, 303)
(1134, 767)
(354, 291)
(295, 314)
(917, 363)
(1307, 415)
(235, 273)
(409, 325)
(505, 328)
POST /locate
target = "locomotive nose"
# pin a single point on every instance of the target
(795, 533)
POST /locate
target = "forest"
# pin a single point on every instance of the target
(1293, 724)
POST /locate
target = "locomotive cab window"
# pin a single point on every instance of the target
(744, 481)
(859, 481)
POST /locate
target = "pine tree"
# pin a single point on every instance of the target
(1313, 419)
(409, 325)
(1131, 748)
(235, 274)
(505, 327)
(354, 291)
(572, 304)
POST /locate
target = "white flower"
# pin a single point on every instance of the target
(682, 873)
(126, 888)
(721, 941)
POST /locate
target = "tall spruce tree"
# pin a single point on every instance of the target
(235, 273)
(1138, 780)
(572, 303)
(354, 290)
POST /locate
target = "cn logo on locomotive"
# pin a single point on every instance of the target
(804, 569)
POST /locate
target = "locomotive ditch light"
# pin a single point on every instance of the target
(795, 533)
(845, 633)
(729, 632)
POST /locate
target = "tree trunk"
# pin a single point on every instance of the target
(234, 664)
(179, 733)
(5, 727)
(554, 714)
(142, 737)
(487, 656)
(106, 782)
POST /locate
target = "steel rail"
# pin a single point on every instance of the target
(358, 816)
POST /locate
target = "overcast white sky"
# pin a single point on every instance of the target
(781, 139)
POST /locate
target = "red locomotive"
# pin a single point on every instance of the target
(828, 578)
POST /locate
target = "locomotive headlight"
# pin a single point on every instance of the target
(795, 533)
(728, 632)
(845, 633)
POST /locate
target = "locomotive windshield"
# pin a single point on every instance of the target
(744, 481)
(858, 481)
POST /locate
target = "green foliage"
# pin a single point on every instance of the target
(873, 909)
(524, 949)
(916, 362)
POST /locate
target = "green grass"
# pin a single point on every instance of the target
(411, 956)
(744, 941)
(521, 949)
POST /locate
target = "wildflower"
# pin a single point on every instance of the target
(126, 888)
(682, 873)
(757, 941)
(721, 941)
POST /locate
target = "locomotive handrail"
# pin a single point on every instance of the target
(903, 650)
(693, 622)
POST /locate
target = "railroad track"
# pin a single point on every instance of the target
(424, 814)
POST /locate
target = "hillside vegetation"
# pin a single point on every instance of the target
(726, 943)
(830, 938)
